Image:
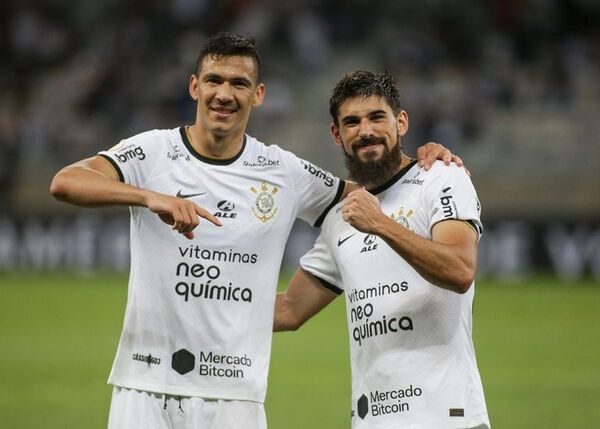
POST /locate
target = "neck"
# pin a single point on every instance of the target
(214, 146)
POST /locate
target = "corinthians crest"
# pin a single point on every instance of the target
(264, 207)
(402, 217)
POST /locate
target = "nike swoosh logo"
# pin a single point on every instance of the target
(180, 195)
(340, 241)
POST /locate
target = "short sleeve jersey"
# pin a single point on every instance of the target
(412, 357)
(199, 314)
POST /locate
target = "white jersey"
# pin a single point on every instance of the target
(199, 313)
(412, 356)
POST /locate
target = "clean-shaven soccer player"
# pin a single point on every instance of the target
(195, 346)
(404, 252)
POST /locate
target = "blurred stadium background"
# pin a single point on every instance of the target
(512, 86)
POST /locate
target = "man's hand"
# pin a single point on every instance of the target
(362, 210)
(182, 214)
(430, 152)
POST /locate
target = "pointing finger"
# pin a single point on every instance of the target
(206, 215)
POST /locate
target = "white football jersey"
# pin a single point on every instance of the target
(412, 356)
(199, 315)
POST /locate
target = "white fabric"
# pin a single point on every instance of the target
(137, 409)
(412, 356)
(199, 313)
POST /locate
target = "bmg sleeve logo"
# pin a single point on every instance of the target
(130, 152)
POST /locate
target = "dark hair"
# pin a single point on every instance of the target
(226, 45)
(364, 83)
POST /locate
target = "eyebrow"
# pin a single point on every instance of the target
(349, 118)
(235, 79)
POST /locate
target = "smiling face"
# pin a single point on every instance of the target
(370, 133)
(226, 89)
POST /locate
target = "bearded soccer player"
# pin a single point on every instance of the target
(403, 249)
(196, 340)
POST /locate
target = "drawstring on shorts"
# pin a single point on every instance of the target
(165, 403)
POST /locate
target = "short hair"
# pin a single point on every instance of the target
(364, 83)
(227, 45)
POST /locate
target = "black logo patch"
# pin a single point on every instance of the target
(183, 361)
(363, 406)
(456, 412)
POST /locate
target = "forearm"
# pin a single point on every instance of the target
(284, 319)
(303, 298)
(83, 186)
(445, 265)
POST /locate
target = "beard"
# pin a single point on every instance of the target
(372, 173)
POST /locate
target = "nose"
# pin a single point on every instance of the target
(224, 93)
(365, 130)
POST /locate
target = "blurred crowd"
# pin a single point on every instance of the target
(76, 77)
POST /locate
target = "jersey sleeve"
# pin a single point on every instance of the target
(319, 261)
(135, 158)
(452, 196)
(317, 190)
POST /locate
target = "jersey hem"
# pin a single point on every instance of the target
(174, 390)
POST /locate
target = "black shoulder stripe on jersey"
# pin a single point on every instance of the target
(333, 288)
(202, 158)
(336, 199)
(114, 164)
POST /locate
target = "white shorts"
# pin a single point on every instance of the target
(131, 408)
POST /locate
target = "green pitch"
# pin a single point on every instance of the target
(538, 346)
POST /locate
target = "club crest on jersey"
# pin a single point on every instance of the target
(177, 153)
(264, 207)
(402, 217)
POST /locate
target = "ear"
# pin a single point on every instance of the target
(259, 95)
(402, 121)
(335, 134)
(194, 87)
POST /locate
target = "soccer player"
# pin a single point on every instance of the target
(403, 249)
(194, 350)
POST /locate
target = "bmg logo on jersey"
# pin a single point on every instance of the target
(320, 174)
(225, 210)
(130, 152)
(448, 205)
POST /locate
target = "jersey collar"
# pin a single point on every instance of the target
(393, 179)
(214, 161)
